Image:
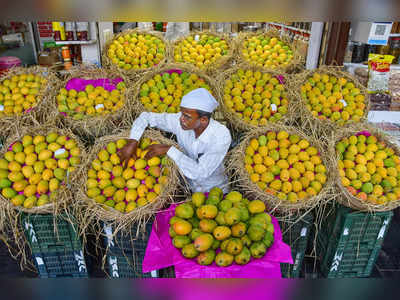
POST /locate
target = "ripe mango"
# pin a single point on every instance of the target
(206, 258)
(30, 202)
(59, 174)
(189, 251)
(140, 164)
(54, 184)
(9, 155)
(27, 140)
(232, 216)
(111, 148)
(207, 225)
(31, 159)
(53, 147)
(154, 171)
(132, 183)
(15, 176)
(51, 163)
(243, 257)
(45, 154)
(182, 227)
(154, 161)
(120, 206)
(119, 182)
(222, 232)
(18, 200)
(119, 196)
(224, 259)
(184, 211)
(117, 171)
(20, 185)
(43, 200)
(203, 242)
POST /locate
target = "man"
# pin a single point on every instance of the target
(205, 141)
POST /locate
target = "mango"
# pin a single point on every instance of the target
(224, 259)
(54, 184)
(30, 202)
(203, 242)
(206, 258)
(45, 154)
(51, 163)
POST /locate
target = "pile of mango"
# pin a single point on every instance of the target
(369, 168)
(125, 189)
(221, 229)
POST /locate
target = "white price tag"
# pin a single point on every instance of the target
(1, 107)
(303, 231)
(274, 107)
(39, 261)
(344, 102)
(59, 151)
(346, 231)
(99, 106)
(196, 37)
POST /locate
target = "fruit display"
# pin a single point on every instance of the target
(284, 165)
(133, 50)
(369, 168)
(334, 96)
(86, 100)
(267, 51)
(35, 167)
(254, 98)
(20, 92)
(222, 229)
(201, 50)
(125, 189)
(164, 91)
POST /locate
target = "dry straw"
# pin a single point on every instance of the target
(41, 111)
(137, 104)
(97, 125)
(324, 128)
(135, 74)
(295, 64)
(91, 216)
(236, 167)
(61, 199)
(348, 199)
(220, 64)
(236, 122)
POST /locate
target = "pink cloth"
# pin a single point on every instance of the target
(79, 84)
(160, 253)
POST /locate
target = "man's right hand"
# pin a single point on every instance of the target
(127, 152)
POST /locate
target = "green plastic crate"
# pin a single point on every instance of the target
(349, 242)
(42, 238)
(55, 253)
(124, 255)
(296, 234)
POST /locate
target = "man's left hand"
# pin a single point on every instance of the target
(156, 150)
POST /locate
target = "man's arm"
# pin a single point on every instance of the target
(205, 165)
(166, 122)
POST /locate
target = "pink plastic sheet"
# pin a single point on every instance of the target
(160, 253)
(79, 84)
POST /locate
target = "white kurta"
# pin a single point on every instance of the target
(202, 160)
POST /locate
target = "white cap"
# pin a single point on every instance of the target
(200, 99)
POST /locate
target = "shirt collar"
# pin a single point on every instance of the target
(206, 133)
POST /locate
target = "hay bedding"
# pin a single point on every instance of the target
(61, 200)
(236, 167)
(96, 125)
(237, 123)
(93, 216)
(136, 74)
(41, 111)
(325, 129)
(169, 68)
(347, 198)
(295, 65)
(217, 66)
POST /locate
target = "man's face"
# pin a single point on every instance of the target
(189, 119)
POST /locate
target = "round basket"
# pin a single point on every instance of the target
(41, 111)
(295, 64)
(169, 68)
(135, 73)
(237, 122)
(326, 128)
(92, 214)
(347, 198)
(236, 166)
(96, 125)
(216, 66)
(60, 200)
